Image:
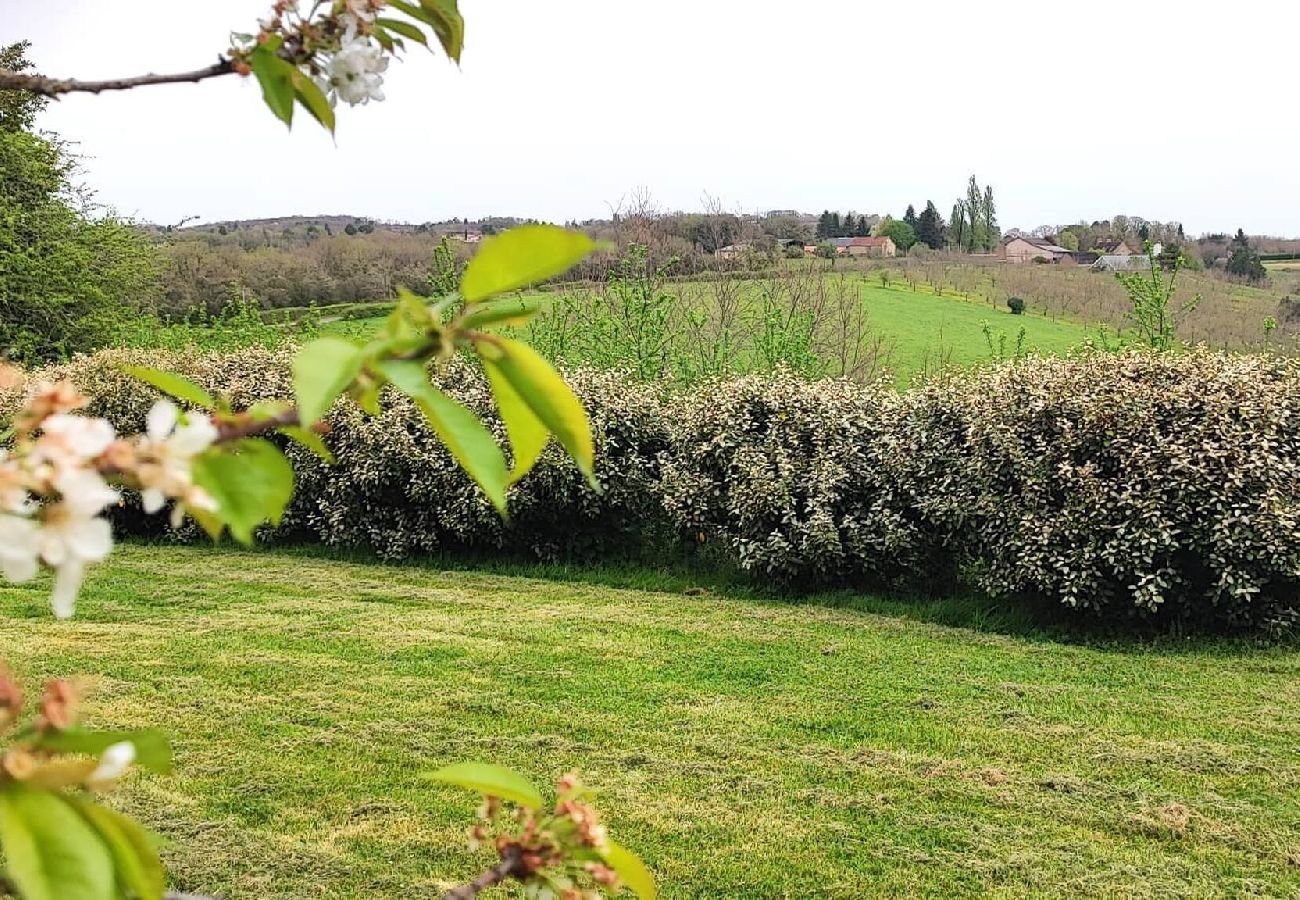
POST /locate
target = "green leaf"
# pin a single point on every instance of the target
(275, 75)
(51, 852)
(546, 394)
(322, 370)
(152, 749)
(507, 312)
(469, 442)
(309, 439)
(520, 257)
(251, 482)
(631, 871)
(443, 17)
(172, 385)
(312, 98)
(528, 435)
(410, 318)
(138, 869)
(405, 29)
(491, 780)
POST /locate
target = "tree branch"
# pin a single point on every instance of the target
(54, 87)
(233, 431)
(511, 865)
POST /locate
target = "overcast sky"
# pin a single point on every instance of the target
(1168, 110)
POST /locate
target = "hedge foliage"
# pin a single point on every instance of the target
(1135, 486)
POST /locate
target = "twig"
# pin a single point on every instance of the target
(233, 431)
(511, 865)
(54, 87)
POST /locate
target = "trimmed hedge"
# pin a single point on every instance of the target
(1133, 486)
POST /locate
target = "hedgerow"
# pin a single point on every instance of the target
(1132, 486)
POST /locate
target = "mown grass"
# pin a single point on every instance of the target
(747, 747)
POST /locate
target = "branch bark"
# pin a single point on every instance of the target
(55, 87)
(511, 865)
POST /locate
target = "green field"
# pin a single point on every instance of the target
(923, 331)
(926, 329)
(843, 746)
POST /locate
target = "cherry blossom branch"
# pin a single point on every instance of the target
(233, 431)
(511, 865)
(55, 87)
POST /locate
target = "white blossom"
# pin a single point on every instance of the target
(172, 445)
(113, 764)
(354, 70)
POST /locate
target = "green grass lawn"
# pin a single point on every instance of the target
(746, 747)
(927, 330)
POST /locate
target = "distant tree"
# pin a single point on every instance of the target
(1144, 232)
(910, 216)
(930, 227)
(837, 225)
(862, 229)
(902, 234)
(974, 233)
(1068, 239)
(350, 228)
(989, 220)
(823, 225)
(957, 225)
(18, 109)
(1244, 261)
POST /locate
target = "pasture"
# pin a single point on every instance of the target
(747, 746)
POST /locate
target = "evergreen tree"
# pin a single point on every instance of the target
(930, 227)
(958, 225)
(824, 225)
(974, 232)
(863, 228)
(837, 225)
(910, 216)
(1244, 262)
(989, 215)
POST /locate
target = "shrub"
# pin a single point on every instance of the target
(1016, 305)
(1130, 484)
(786, 475)
(394, 489)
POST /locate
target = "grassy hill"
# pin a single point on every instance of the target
(747, 747)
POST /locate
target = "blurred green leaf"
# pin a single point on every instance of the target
(322, 370)
(275, 75)
(50, 851)
(309, 439)
(519, 257)
(459, 429)
(312, 98)
(546, 394)
(152, 749)
(138, 870)
(509, 311)
(631, 871)
(528, 435)
(251, 482)
(405, 29)
(491, 780)
(172, 385)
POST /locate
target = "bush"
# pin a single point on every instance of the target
(1016, 305)
(1156, 486)
(787, 476)
(1160, 487)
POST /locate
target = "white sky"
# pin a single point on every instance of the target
(563, 106)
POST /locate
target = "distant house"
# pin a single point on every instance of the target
(1027, 249)
(1112, 247)
(731, 251)
(1128, 263)
(467, 235)
(871, 246)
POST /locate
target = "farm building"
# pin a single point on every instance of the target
(1112, 247)
(1027, 249)
(871, 246)
(1117, 263)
